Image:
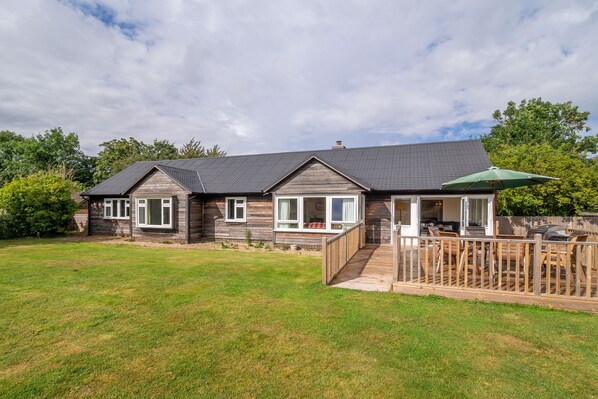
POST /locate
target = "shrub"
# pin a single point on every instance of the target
(248, 239)
(37, 205)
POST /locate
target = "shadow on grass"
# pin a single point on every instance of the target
(30, 241)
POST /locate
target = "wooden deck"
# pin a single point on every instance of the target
(369, 270)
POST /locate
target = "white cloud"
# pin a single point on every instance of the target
(265, 76)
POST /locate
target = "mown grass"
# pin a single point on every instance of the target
(96, 320)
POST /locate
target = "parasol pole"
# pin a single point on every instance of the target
(494, 221)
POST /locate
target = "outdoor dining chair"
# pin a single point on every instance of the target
(559, 256)
(509, 253)
(452, 251)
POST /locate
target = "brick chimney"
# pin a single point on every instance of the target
(339, 145)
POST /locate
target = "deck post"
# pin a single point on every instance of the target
(324, 261)
(396, 253)
(537, 264)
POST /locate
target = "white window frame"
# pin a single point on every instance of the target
(300, 215)
(169, 201)
(289, 221)
(115, 213)
(236, 207)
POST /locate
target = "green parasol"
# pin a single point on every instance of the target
(495, 179)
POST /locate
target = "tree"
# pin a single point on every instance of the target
(548, 139)
(215, 151)
(160, 149)
(194, 149)
(118, 154)
(37, 205)
(536, 121)
(20, 156)
(574, 193)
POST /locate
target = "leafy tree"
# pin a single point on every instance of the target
(160, 149)
(536, 121)
(548, 139)
(574, 193)
(37, 205)
(20, 156)
(215, 151)
(118, 154)
(194, 149)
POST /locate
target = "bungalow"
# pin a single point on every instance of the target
(294, 197)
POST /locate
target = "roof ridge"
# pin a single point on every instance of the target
(326, 150)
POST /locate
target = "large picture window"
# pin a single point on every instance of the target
(117, 208)
(315, 213)
(235, 209)
(154, 212)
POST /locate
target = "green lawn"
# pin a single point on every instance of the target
(97, 320)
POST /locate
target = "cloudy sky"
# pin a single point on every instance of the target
(257, 76)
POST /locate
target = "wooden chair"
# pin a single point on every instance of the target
(558, 258)
(450, 249)
(505, 252)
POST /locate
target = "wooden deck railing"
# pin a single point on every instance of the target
(508, 270)
(338, 250)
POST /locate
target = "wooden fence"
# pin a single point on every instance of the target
(561, 274)
(338, 250)
(521, 224)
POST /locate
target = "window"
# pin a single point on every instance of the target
(235, 209)
(116, 208)
(288, 215)
(403, 212)
(154, 212)
(478, 212)
(343, 213)
(315, 213)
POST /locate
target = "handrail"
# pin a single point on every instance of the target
(337, 251)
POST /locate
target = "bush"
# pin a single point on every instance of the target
(37, 205)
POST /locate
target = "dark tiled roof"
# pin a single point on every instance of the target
(189, 179)
(407, 167)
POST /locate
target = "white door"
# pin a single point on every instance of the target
(463, 223)
(405, 210)
(477, 210)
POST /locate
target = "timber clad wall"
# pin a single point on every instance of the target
(101, 226)
(158, 185)
(377, 219)
(195, 220)
(302, 239)
(258, 220)
(316, 178)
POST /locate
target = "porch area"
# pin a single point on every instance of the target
(548, 273)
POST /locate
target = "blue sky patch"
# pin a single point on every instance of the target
(107, 16)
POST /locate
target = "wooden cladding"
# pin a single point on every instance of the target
(101, 226)
(377, 219)
(506, 270)
(258, 219)
(159, 185)
(316, 178)
(338, 250)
